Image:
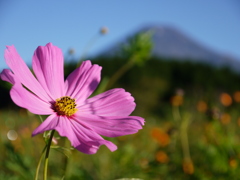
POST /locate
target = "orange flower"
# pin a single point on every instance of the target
(225, 118)
(162, 157)
(225, 99)
(236, 96)
(160, 136)
(202, 106)
(177, 100)
(188, 167)
(233, 163)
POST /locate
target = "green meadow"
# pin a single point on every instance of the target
(192, 126)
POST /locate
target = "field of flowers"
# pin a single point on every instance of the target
(191, 131)
(195, 141)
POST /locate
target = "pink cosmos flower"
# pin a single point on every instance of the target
(72, 113)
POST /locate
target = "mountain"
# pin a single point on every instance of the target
(171, 43)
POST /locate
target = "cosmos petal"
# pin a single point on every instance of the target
(7, 75)
(83, 81)
(23, 97)
(115, 102)
(48, 68)
(81, 137)
(23, 74)
(48, 124)
(112, 126)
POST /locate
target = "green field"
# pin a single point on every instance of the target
(192, 128)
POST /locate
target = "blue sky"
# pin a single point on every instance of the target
(74, 23)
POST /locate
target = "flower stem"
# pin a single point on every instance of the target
(184, 138)
(183, 123)
(39, 163)
(47, 155)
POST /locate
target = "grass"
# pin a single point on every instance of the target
(191, 142)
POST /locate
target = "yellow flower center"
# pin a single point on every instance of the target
(65, 106)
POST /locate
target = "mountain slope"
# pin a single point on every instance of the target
(168, 42)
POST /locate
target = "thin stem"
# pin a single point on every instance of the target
(66, 159)
(176, 114)
(47, 155)
(184, 139)
(184, 123)
(45, 132)
(41, 119)
(39, 163)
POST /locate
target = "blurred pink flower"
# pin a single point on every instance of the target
(72, 114)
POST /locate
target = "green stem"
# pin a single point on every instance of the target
(39, 163)
(45, 132)
(183, 123)
(66, 159)
(176, 114)
(47, 155)
(184, 138)
(41, 119)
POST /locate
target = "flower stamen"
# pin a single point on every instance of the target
(65, 106)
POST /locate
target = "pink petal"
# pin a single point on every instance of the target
(48, 68)
(83, 81)
(23, 74)
(7, 75)
(112, 126)
(23, 97)
(115, 102)
(48, 124)
(86, 140)
(82, 138)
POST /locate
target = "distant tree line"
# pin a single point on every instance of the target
(158, 78)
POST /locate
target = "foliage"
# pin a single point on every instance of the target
(192, 126)
(177, 99)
